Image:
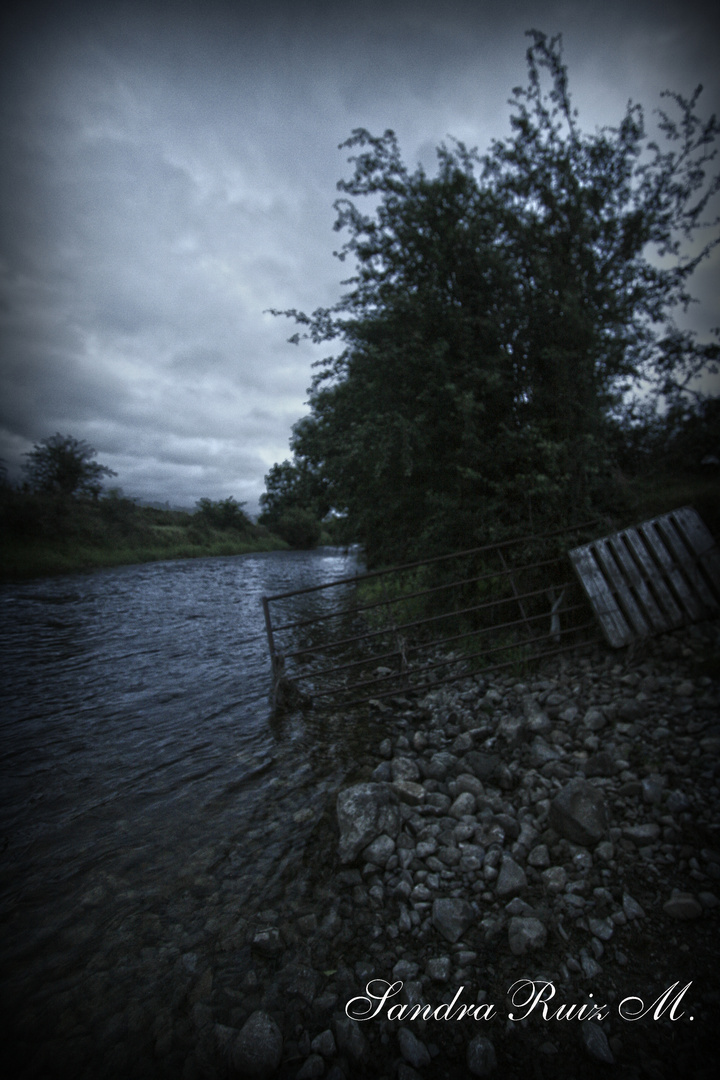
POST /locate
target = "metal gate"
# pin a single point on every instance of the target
(390, 632)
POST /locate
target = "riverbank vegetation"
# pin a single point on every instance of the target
(60, 520)
(44, 535)
(511, 353)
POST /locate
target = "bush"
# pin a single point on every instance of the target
(223, 514)
(299, 528)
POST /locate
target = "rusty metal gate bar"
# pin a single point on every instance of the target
(434, 618)
(467, 656)
(415, 658)
(406, 596)
(445, 640)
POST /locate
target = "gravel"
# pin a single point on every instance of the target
(557, 835)
(522, 879)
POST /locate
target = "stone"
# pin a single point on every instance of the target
(463, 805)
(682, 905)
(512, 729)
(595, 1042)
(590, 967)
(380, 850)
(268, 942)
(484, 766)
(511, 879)
(440, 764)
(382, 773)
(554, 879)
(539, 857)
(605, 851)
(525, 932)
(313, 1067)
(631, 907)
(640, 835)
(541, 753)
(677, 802)
(601, 928)
(324, 1044)
(364, 812)
(404, 768)
(257, 1050)
(385, 748)
(406, 1072)
(451, 917)
(424, 848)
(301, 982)
(519, 907)
(601, 764)
(467, 782)
(414, 1051)
(652, 790)
(480, 1058)
(409, 792)
(438, 968)
(350, 1039)
(594, 719)
(405, 969)
(578, 813)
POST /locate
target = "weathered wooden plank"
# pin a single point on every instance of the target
(688, 564)
(654, 541)
(666, 599)
(700, 541)
(608, 614)
(658, 575)
(635, 579)
(625, 599)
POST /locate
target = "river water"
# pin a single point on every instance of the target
(149, 803)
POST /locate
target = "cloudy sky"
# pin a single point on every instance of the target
(168, 174)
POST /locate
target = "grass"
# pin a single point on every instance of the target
(643, 497)
(91, 549)
(40, 559)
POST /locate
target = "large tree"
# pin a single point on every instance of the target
(63, 465)
(498, 313)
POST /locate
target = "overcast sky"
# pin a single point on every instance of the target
(168, 173)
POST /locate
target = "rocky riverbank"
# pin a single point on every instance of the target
(513, 847)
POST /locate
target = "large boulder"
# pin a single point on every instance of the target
(579, 813)
(365, 812)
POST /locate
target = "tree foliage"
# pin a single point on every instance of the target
(294, 503)
(498, 314)
(63, 465)
(223, 514)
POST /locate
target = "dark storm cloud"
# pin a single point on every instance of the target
(168, 175)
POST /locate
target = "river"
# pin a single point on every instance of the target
(148, 801)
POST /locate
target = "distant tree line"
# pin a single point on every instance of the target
(500, 320)
(61, 497)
